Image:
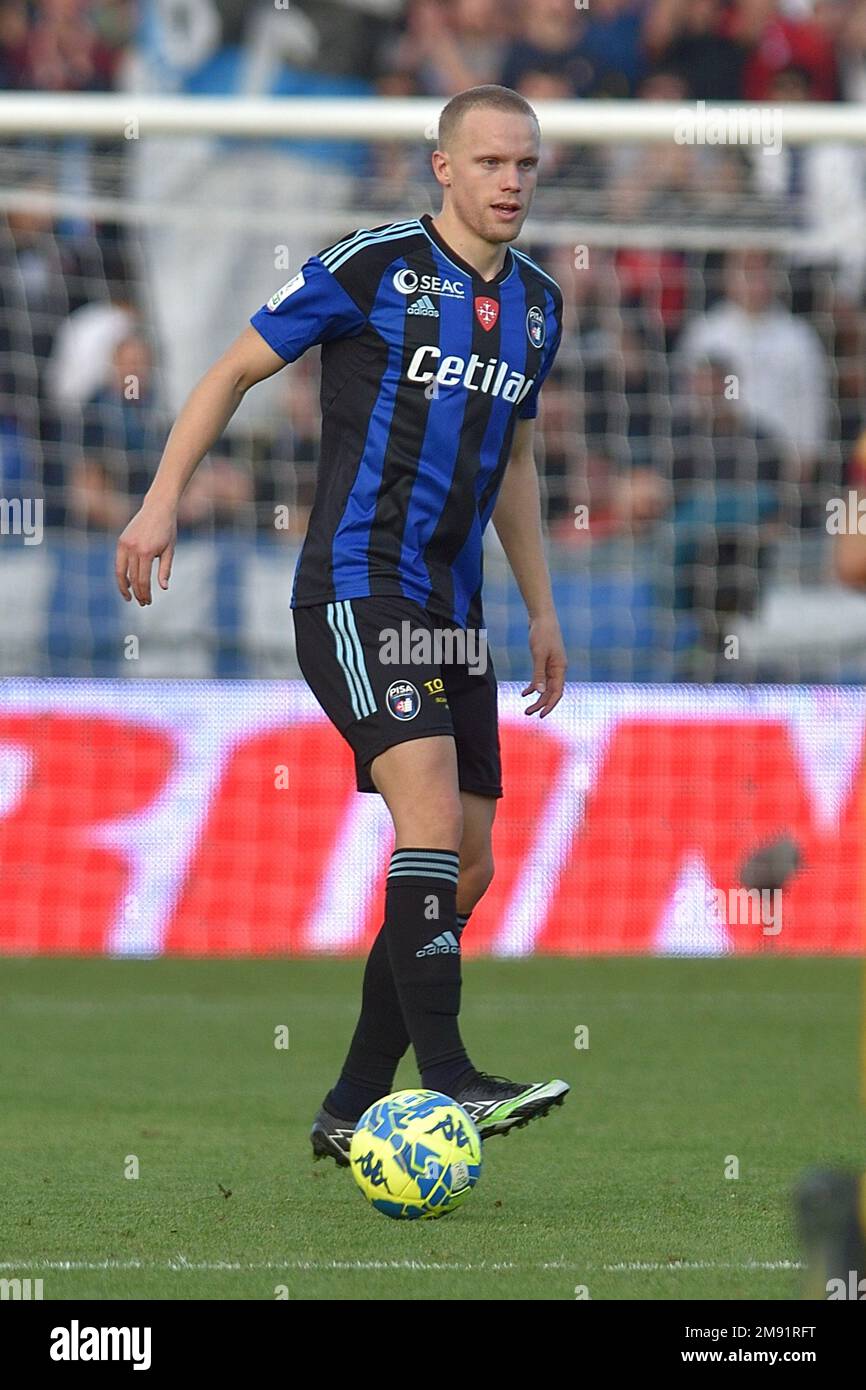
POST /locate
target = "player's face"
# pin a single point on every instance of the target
(493, 170)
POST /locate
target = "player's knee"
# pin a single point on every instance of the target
(476, 877)
(434, 821)
(419, 782)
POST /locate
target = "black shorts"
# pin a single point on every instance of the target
(376, 701)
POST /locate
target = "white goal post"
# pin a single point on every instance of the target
(392, 118)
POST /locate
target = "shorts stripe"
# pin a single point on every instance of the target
(348, 672)
(350, 656)
(362, 665)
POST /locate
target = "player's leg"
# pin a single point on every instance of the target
(419, 783)
(412, 711)
(379, 707)
(412, 979)
(496, 1103)
(381, 1038)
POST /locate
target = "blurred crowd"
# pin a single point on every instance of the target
(723, 50)
(719, 391)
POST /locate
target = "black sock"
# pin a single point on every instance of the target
(424, 950)
(449, 1077)
(380, 1039)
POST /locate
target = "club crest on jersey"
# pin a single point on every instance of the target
(403, 700)
(487, 312)
(408, 281)
(289, 288)
(535, 327)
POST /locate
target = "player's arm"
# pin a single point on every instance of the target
(517, 519)
(152, 532)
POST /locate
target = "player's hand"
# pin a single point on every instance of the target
(549, 665)
(151, 535)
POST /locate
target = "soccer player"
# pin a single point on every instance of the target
(436, 337)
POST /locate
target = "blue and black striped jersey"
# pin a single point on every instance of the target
(426, 368)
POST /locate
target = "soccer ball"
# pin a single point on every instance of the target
(415, 1154)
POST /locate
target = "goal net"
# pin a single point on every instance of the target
(699, 433)
(699, 438)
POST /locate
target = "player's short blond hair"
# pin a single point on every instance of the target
(492, 96)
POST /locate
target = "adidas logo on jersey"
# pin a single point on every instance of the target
(444, 945)
(424, 305)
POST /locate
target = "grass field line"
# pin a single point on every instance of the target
(180, 1264)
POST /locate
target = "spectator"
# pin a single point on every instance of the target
(84, 346)
(731, 491)
(849, 360)
(342, 38)
(453, 44)
(664, 181)
(626, 423)
(13, 42)
(63, 51)
(824, 191)
(34, 297)
(394, 169)
(202, 272)
(18, 455)
(550, 39)
(669, 180)
(851, 53)
(777, 42)
(122, 439)
(690, 37)
(612, 40)
(778, 360)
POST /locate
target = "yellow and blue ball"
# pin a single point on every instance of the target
(415, 1154)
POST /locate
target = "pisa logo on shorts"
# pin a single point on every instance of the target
(535, 327)
(403, 700)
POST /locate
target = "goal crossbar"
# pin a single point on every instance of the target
(132, 116)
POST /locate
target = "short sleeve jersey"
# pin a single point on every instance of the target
(426, 368)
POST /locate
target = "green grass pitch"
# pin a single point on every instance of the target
(622, 1191)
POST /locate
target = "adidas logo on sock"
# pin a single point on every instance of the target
(424, 305)
(444, 945)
